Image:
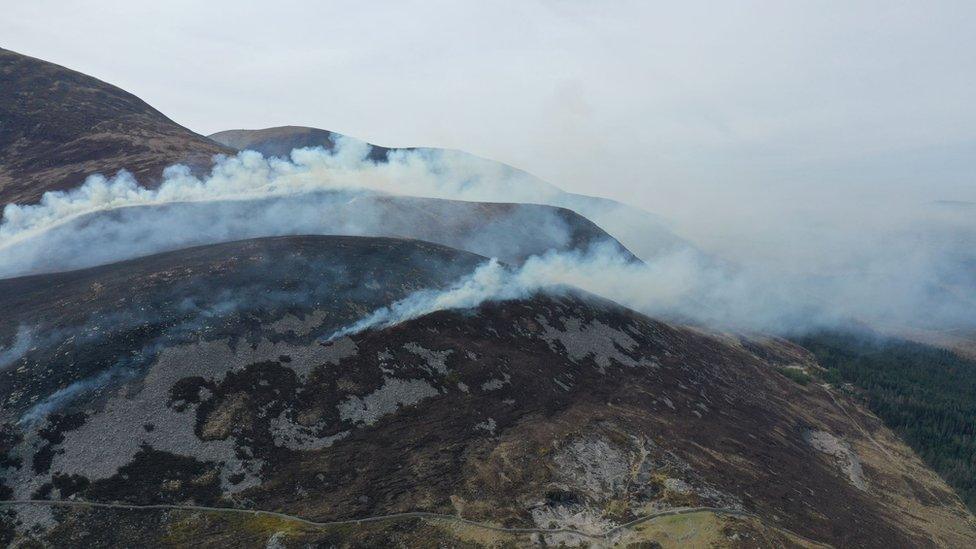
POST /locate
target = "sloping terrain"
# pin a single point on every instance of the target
(60, 126)
(196, 396)
(640, 231)
(925, 394)
(203, 377)
(58, 321)
(280, 141)
(511, 232)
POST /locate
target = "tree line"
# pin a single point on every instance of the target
(925, 394)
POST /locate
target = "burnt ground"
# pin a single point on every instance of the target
(560, 410)
(82, 322)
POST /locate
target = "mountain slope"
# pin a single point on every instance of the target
(59, 126)
(926, 394)
(640, 231)
(280, 141)
(203, 379)
(209, 383)
(510, 232)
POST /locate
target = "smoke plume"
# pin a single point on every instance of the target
(892, 269)
(20, 345)
(339, 191)
(685, 287)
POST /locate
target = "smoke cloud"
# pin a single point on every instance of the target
(685, 287)
(316, 191)
(489, 282)
(898, 268)
(60, 398)
(187, 321)
(248, 175)
(20, 345)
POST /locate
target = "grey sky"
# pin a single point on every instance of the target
(709, 113)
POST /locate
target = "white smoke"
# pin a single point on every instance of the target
(20, 345)
(910, 271)
(490, 281)
(509, 232)
(601, 269)
(315, 191)
(684, 287)
(57, 400)
(659, 288)
(346, 168)
(667, 287)
(248, 175)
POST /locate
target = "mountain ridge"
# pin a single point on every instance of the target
(60, 126)
(644, 233)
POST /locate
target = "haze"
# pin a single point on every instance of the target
(752, 126)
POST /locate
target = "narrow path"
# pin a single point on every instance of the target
(891, 458)
(857, 424)
(393, 516)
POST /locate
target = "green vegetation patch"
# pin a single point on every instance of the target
(925, 394)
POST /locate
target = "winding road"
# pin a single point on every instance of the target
(377, 518)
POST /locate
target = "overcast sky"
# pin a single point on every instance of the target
(684, 108)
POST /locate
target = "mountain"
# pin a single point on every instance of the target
(280, 141)
(58, 126)
(926, 394)
(510, 232)
(205, 377)
(640, 231)
(186, 368)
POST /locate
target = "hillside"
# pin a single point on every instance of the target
(59, 126)
(170, 373)
(209, 382)
(642, 232)
(511, 232)
(926, 394)
(280, 141)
